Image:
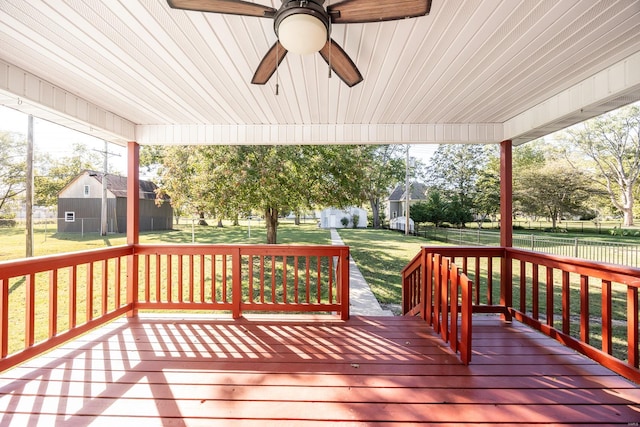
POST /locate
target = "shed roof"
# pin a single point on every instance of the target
(117, 185)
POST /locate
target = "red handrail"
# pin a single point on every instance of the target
(436, 289)
(565, 298)
(79, 291)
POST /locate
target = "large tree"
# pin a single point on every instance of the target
(553, 190)
(228, 180)
(612, 142)
(12, 167)
(377, 168)
(454, 170)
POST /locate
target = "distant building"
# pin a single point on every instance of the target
(80, 204)
(333, 218)
(397, 201)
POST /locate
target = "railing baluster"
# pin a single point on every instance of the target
(73, 296)
(4, 317)
(632, 326)
(476, 279)
(284, 279)
(158, 265)
(296, 279)
(566, 303)
(330, 279)
(89, 289)
(224, 278)
(584, 308)
(251, 298)
(549, 290)
(53, 303)
(319, 282)
(202, 271)
(523, 286)
(191, 280)
(169, 278)
(535, 292)
(214, 296)
(180, 278)
(262, 279)
(308, 279)
(147, 277)
(30, 312)
(607, 330)
(273, 279)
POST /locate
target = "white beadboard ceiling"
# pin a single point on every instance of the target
(470, 71)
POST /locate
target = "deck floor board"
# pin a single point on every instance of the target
(152, 371)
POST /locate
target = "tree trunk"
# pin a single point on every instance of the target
(202, 221)
(627, 208)
(220, 223)
(297, 218)
(375, 209)
(271, 219)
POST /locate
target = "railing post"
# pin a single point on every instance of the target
(344, 284)
(133, 226)
(236, 284)
(423, 286)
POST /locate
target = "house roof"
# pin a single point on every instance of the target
(472, 71)
(418, 192)
(117, 185)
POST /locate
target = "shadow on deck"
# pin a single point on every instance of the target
(191, 371)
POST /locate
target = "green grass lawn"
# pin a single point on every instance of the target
(379, 254)
(48, 242)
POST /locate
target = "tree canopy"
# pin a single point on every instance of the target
(612, 142)
(227, 181)
(12, 168)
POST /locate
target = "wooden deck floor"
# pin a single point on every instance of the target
(262, 372)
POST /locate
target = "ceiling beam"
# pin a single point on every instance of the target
(611, 88)
(31, 94)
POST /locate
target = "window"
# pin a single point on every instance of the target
(86, 191)
(69, 217)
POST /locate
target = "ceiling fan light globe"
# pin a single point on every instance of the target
(302, 34)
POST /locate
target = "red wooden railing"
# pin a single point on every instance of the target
(591, 307)
(69, 293)
(73, 293)
(434, 288)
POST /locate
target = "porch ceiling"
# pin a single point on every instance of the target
(471, 71)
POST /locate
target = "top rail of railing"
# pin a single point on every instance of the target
(594, 250)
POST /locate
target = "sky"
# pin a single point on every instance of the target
(58, 140)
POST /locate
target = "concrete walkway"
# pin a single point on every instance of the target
(362, 302)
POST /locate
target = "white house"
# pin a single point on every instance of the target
(333, 218)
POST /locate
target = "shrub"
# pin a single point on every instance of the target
(344, 221)
(356, 220)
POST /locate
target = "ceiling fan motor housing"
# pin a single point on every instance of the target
(310, 8)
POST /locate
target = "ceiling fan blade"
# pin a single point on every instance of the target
(358, 11)
(232, 7)
(269, 64)
(340, 63)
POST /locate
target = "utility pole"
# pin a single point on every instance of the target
(407, 191)
(103, 212)
(105, 167)
(29, 189)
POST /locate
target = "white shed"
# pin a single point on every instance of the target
(333, 217)
(399, 224)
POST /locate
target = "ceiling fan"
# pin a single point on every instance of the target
(304, 26)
